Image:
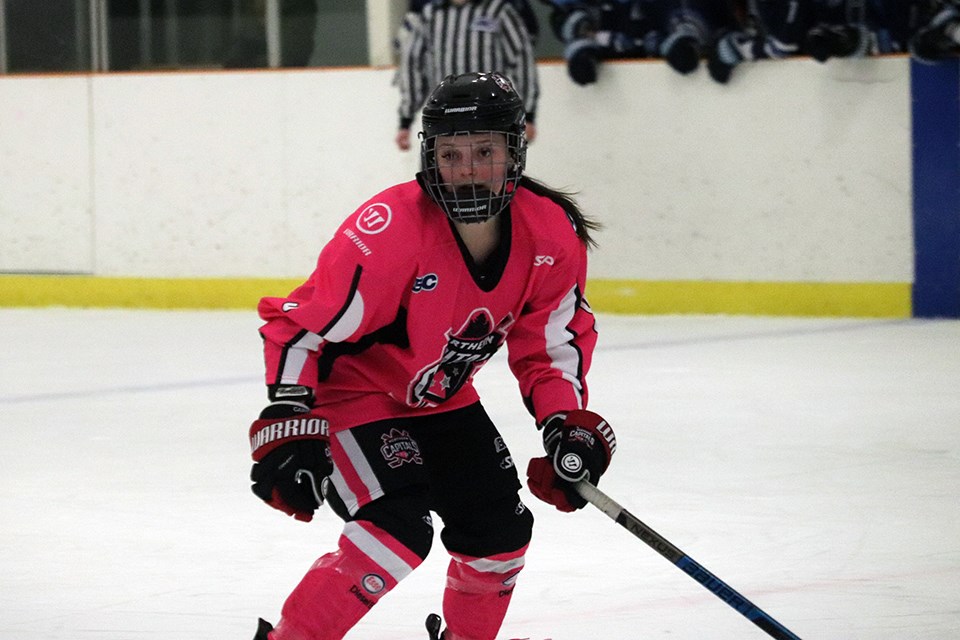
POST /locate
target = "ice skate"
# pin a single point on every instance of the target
(433, 627)
(263, 628)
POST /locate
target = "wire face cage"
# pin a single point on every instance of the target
(472, 175)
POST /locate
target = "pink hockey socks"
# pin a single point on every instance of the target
(342, 586)
(478, 593)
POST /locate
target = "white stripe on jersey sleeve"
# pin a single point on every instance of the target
(296, 357)
(564, 356)
(346, 324)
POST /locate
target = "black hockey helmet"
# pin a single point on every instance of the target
(466, 104)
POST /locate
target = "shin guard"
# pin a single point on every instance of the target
(478, 593)
(342, 586)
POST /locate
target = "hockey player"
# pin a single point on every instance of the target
(938, 34)
(769, 29)
(860, 28)
(593, 31)
(370, 364)
(822, 29)
(678, 31)
(686, 29)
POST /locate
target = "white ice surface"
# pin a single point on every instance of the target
(812, 464)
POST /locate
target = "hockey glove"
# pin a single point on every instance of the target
(579, 446)
(583, 58)
(827, 41)
(291, 453)
(682, 53)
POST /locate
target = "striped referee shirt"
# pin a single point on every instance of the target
(479, 35)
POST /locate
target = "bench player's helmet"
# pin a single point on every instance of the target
(466, 104)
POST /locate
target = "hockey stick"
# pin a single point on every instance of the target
(691, 567)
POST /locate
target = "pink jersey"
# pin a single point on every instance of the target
(395, 320)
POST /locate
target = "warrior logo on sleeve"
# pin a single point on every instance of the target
(465, 352)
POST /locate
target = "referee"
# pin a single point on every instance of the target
(463, 36)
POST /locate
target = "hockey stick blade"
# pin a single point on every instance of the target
(688, 565)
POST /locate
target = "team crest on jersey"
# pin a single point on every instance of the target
(466, 350)
(399, 448)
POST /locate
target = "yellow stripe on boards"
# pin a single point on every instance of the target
(139, 293)
(838, 299)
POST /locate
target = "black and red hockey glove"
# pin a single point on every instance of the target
(290, 446)
(579, 446)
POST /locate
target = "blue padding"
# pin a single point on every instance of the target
(935, 91)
